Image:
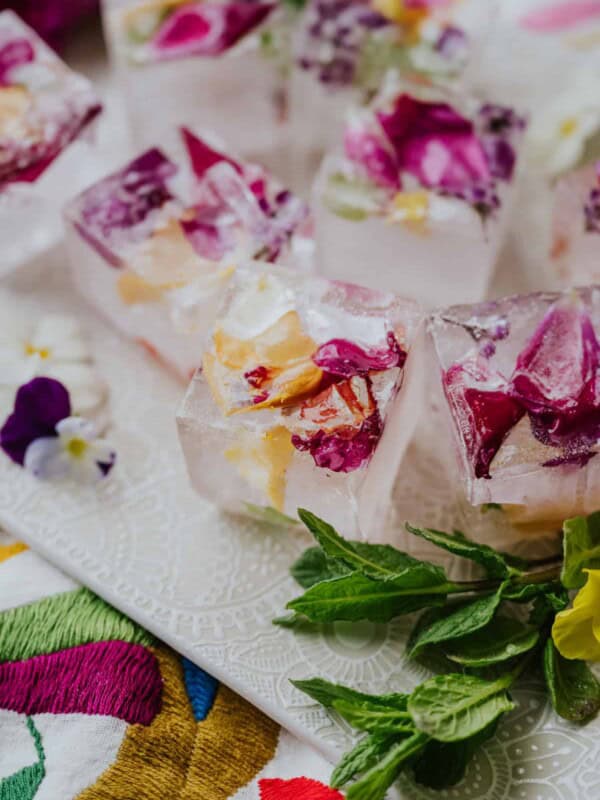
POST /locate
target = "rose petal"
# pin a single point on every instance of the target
(345, 359)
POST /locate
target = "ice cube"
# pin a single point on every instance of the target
(153, 245)
(343, 48)
(575, 250)
(45, 108)
(519, 388)
(214, 65)
(418, 201)
(305, 398)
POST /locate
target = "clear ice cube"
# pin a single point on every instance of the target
(45, 110)
(418, 201)
(218, 66)
(153, 245)
(517, 382)
(575, 251)
(305, 398)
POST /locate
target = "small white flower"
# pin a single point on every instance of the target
(52, 346)
(76, 453)
(558, 135)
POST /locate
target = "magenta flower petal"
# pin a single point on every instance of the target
(346, 359)
(208, 28)
(343, 451)
(559, 361)
(14, 54)
(435, 144)
(52, 19)
(365, 149)
(39, 406)
(483, 410)
(202, 156)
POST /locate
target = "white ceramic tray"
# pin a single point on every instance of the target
(209, 584)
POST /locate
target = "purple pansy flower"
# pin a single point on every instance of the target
(42, 436)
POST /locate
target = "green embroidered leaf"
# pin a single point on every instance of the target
(463, 620)
(327, 694)
(24, 784)
(454, 707)
(494, 563)
(573, 689)
(443, 764)
(368, 752)
(315, 566)
(356, 596)
(375, 718)
(499, 640)
(376, 781)
(581, 547)
(375, 560)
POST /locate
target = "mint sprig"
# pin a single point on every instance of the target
(468, 630)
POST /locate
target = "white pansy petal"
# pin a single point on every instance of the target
(76, 428)
(62, 336)
(103, 453)
(16, 367)
(45, 458)
(88, 392)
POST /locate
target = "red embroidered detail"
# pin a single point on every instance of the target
(296, 789)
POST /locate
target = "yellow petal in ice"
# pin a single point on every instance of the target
(576, 631)
(14, 103)
(264, 462)
(133, 290)
(410, 208)
(167, 258)
(291, 385)
(396, 11)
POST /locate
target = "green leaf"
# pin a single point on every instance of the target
(295, 622)
(547, 605)
(270, 516)
(573, 689)
(454, 707)
(443, 764)
(375, 560)
(499, 640)
(523, 593)
(368, 752)
(356, 596)
(377, 780)
(463, 620)
(314, 566)
(581, 547)
(494, 563)
(375, 718)
(327, 694)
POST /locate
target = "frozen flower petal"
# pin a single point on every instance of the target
(202, 156)
(343, 451)
(345, 359)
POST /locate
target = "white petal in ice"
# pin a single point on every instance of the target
(75, 453)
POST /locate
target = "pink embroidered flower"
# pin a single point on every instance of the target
(435, 144)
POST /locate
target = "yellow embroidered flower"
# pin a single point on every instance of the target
(576, 631)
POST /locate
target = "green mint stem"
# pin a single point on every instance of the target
(535, 576)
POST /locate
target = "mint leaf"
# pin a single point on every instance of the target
(499, 640)
(294, 622)
(315, 566)
(548, 604)
(356, 596)
(327, 694)
(494, 563)
(461, 621)
(581, 547)
(454, 707)
(376, 781)
(368, 752)
(270, 516)
(374, 717)
(443, 764)
(375, 560)
(573, 689)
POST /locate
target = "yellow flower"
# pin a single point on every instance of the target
(576, 631)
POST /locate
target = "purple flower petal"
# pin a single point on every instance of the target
(208, 28)
(435, 144)
(364, 148)
(483, 410)
(202, 156)
(39, 406)
(346, 359)
(345, 451)
(574, 459)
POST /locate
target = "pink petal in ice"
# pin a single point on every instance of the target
(14, 54)
(483, 410)
(346, 359)
(202, 156)
(559, 361)
(366, 149)
(554, 17)
(208, 28)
